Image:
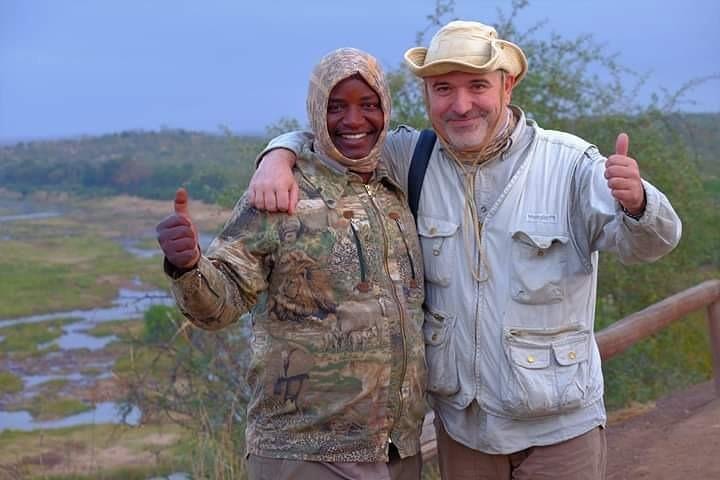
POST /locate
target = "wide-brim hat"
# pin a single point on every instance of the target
(470, 47)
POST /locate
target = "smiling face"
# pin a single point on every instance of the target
(355, 117)
(465, 107)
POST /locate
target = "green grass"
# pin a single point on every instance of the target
(430, 470)
(126, 473)
(64, 273)
(712, 186)
(145, 361)
(124, 329)
(25, 338)
(10, 383)
(92, 371)
(52, 387)
(42, 408)
(148, 244)
(18, 449)
(34, 353)
(671, 360)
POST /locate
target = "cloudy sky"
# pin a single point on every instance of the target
(71, 67)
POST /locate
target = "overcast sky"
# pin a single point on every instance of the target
(70, 67)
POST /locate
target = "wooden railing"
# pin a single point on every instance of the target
(624, 333)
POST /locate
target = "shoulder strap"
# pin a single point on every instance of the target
(418, 166)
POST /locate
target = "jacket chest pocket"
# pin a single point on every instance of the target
(440, 241)
(538, 268)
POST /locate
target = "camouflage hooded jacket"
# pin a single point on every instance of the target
(336, 294)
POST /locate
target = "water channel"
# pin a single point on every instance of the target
(130, 303)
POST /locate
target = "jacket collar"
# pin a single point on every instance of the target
(330, 178)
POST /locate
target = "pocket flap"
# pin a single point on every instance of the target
(432, 227)
(573, 351)
(436, 327)
(529, 357)
(537, 240)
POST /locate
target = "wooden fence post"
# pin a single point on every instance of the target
(713, 316)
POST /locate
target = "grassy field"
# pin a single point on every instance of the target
(123, 329)
(77, 261)
(94, 452)
(29, 339)
(71, 272)
(10, 383)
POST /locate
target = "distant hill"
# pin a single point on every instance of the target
(215, 168)
(145, 163)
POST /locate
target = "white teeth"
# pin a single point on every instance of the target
(354, 136)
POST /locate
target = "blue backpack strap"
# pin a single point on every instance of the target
(418, 167)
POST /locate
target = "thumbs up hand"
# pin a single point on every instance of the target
(177, 235)
(623, 178)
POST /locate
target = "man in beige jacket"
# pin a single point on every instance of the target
(511, 219)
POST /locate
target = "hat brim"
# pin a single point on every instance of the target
(513, 61)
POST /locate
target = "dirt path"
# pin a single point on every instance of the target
(677, 440)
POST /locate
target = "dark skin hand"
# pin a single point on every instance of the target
(178, 236)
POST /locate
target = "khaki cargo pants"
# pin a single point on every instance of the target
(580, 458)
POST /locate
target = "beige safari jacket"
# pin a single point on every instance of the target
(336, 293)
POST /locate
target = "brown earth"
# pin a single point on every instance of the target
(96, 460)
(205, 216)
(678, 439)
(70, 458)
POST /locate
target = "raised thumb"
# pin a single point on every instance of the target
(181, 203)
(621, 144)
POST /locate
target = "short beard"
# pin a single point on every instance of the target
(470, 140)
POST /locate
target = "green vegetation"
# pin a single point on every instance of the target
(10, 383)
(52, 408)
(44, 409)
(124, 473)
(124, 329)
(676, 358)
(196, 379)
(147, 164)
(138, 453)
(82, 265)
(53, 387)
(27, 338)
(138, 360)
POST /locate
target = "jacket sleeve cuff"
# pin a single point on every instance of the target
(652, 203)
(172, 271)
(200, 294)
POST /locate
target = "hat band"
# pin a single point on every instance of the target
(493, 58)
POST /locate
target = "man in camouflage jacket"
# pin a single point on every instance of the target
(337, 372)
